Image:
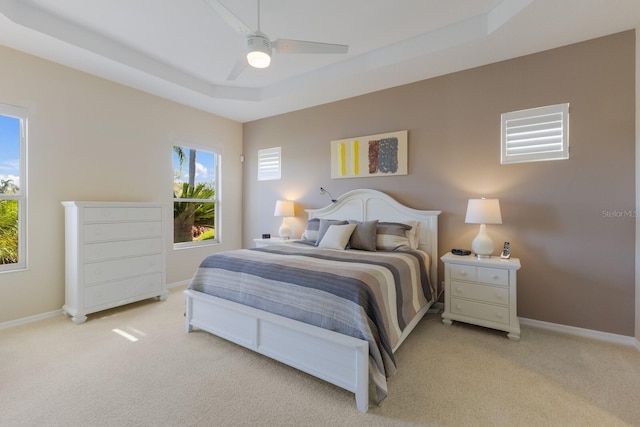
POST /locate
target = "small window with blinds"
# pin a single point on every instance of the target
(535, 135)
(269, 162)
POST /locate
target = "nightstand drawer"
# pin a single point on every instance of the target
(479, 292)
(479, 310)
(494, 276)
(463, 272)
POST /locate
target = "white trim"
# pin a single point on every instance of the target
(536, 134)
(269, 164)
(581, 332)
(637, 194)
(20, 114)
(54, 313)
(176, 284)
(217, 195)
(30, 319)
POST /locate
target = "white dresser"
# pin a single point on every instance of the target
(114, 255)
(482, 292)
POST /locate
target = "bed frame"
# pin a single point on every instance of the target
(339, 359)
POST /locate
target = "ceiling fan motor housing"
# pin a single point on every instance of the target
(258, 46)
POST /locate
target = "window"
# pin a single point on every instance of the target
(195, 196)
(535, 135)
(13, 184)
(269, 164)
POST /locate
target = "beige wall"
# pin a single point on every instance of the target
(91, 139)
(577, 264)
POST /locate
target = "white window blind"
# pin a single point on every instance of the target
(536, 134)
(269, 162)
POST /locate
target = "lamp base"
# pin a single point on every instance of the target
(482, 245)
(284, 231)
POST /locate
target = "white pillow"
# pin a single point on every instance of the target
(337, 236)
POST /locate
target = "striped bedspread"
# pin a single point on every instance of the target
(368, 295)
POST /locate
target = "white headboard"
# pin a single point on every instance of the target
(367, 205)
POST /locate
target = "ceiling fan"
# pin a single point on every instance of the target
(259, 46)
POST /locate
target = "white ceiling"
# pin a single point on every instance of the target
(182, 50)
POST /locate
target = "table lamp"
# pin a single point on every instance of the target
(284, 208)
(483, 211)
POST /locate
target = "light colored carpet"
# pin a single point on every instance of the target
(56, 373)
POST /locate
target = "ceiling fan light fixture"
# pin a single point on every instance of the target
(258, 51)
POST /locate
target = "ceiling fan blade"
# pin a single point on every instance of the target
(237, 69)
(299, 46)
(228, 16)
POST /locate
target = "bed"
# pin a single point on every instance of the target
(347, 353)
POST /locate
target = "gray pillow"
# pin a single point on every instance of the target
(364, 236)
(324, 226)
(311, 230)
(392, 236)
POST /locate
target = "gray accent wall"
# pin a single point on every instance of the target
(571, 222)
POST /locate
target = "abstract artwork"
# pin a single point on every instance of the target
(368, 156)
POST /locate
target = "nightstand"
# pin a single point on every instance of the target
(481, 291)
(261, 243)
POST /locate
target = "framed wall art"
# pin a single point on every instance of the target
(368, 156)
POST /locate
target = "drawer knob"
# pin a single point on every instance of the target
(458, 307)
(458, 290)
(498, 296)
(495, 277)
(499, 315)
(462, 273)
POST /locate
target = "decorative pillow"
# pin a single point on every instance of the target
(336, 236)
(413, 233)
(311, 231)
(324, 225)
(364, 236)
(392, 236)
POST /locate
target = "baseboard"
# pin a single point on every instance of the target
(176, 284)
(588, 333)
(42, 316)
(30, 319)
(437, 307)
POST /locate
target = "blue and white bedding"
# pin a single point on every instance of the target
(367, 295)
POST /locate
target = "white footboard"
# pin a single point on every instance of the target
(328, 355)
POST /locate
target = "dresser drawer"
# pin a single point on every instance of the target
(490, 294)
(125, 248)
(119, 231)
(118, 269)
(481, 311)
(122, 214)
(113, 292)
(494, 276)
(462, 272)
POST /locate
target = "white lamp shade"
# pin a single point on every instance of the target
(483, 211)
(284, 208)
